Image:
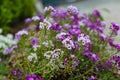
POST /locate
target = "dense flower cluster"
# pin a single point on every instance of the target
(66, 44)
(32, 77)
(7, 44)
(17, 73)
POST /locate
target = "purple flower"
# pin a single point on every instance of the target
(117, 46)
(32, 27)
(40, 16)
(109, 64)
(111, 43)
(88, 47)
(75, 30)
(9, 50)
(116, 58)
(92, 78)
(103, 37)
(115, 28)
(59, 14)
(20, 33)
(75, 63)
(74, 19)
(62, 35)
(17, 73)
(85, 39)
(67, 26)
(56, 27)
(34, 41)
(68, 43)
(73, 10)
(92, 56)
(33, 77)
(96, 14)
(28, 20)
(99, 29)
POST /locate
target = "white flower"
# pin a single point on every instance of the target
(55, 56)
(32, 57)
(35, 47)
(83, 38)
(48, 54)
(10, 36)
(41, 25)
(57, 51)
(44, 24)
(49, 8)
(48, 43)
(47, 24)
(68, 43)
(7, 41)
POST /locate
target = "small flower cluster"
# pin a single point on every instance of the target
(17, 73)
(66, 44)
(74, 60)
(32, 77)
(6, 42)
(55, 54)
(32, 57)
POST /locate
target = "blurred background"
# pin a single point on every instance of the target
(14, 12)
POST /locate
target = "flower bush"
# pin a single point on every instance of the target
(5, 42)
(66, 45)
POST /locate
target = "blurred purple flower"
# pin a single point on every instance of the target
(117, 46)
(32, 27)
(32, 77)
(73, 10)
(96, 13)
(75, 30)
(56, 27)
(9, 50)
(62, 35)
(40, 16)
(115, 27)
(34, 41)
(17, 73)
(92, 56)
(116, 58)
(20, 33)
(103, 37)
(28, 20)
(111, 42)
(75, 63)
(92, 78)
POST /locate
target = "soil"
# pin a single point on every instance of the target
(18, 26)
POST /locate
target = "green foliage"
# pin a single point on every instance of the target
(14, 11)
(3, 68)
